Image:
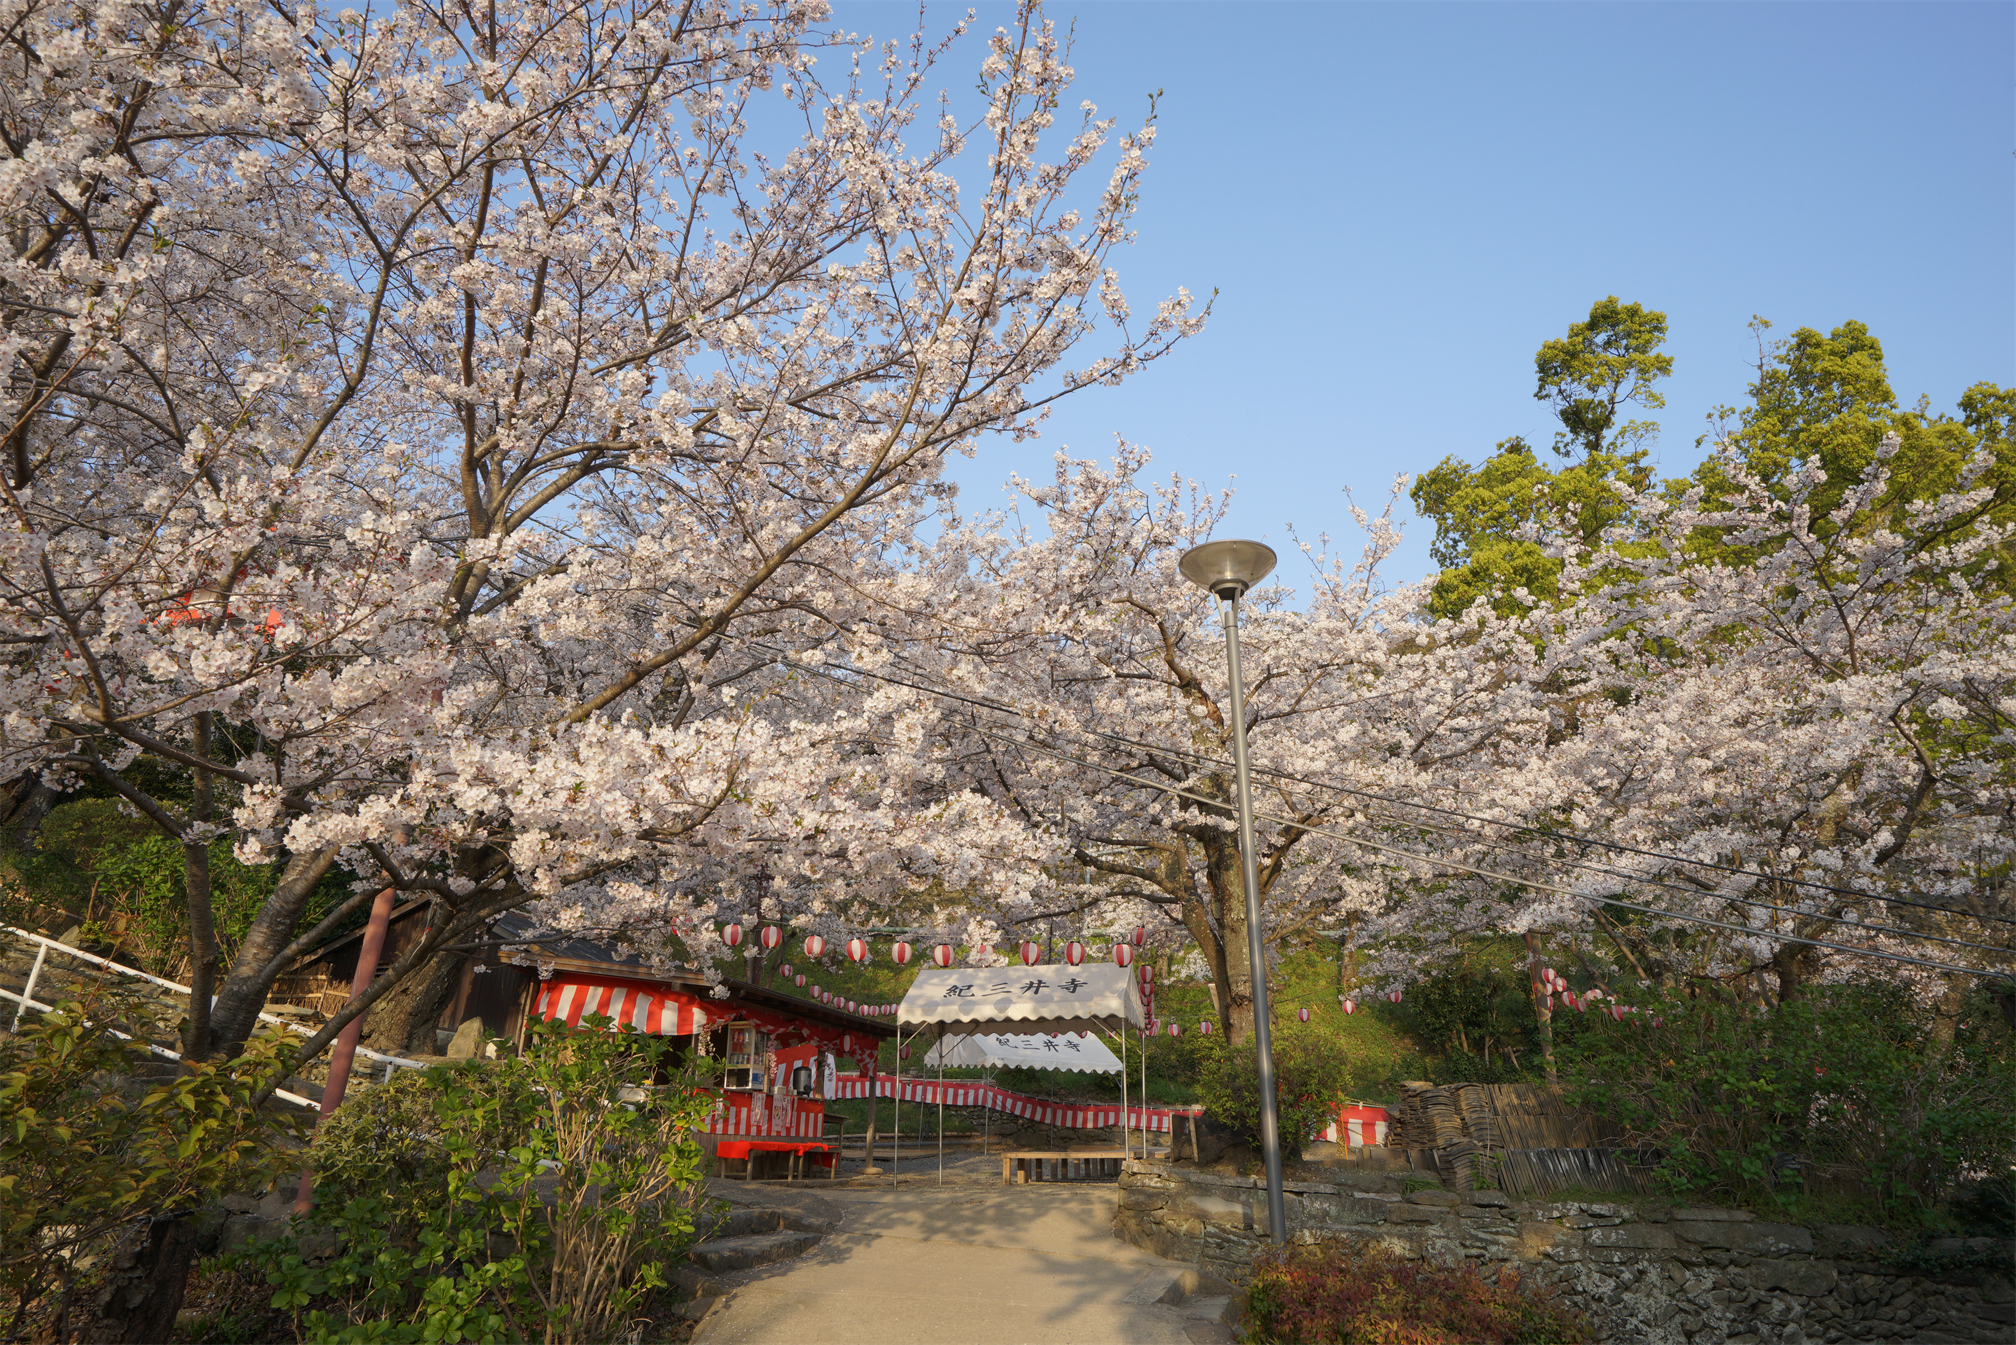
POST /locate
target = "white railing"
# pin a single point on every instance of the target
(44, 943)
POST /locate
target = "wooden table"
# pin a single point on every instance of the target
(1021, 1166)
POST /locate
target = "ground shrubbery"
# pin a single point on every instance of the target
(1847, 1090)
(1336, 1295)
(1311, 1072)
(532, 1198)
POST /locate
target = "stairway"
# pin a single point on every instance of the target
(746, 1238)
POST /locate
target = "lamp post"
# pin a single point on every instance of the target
(1227, 570)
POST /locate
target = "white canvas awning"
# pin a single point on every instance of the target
(1057, 998)
(1080, 1051)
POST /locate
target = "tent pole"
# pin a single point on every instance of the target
(1126, 1145)
(1142, 1040)
(941, 1104)
(896, 1110)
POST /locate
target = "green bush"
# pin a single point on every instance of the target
(1312, 1073)
(530, 1198)
(1334, 1294)
(1842, 1085)
(87, 1151)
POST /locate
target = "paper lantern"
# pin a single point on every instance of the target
(906, 1053)
(1146, 971)
(850, 1006)
(1074, 952)
(1547, 974)
(1303, 1014)
(1175, 1029)
(1394, 996)
(785, 971)
(799, 980)
(814, 946)
(1140, 935)
(858, 949)
(942, 954)
(1205, 1027)
(901, 952)
(731, 935)
(771, 936)
(1030, 953)
(1123, 955)
(1350, 1006)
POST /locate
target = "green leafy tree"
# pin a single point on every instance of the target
(1487, 517)
(1825, 401)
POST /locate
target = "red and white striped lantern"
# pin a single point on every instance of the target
(906, 1053)
(858, 949)
(1030, 952)
(1395, 996)
(942, 954)
(1146, 971)
(850, 1006)
(900, 952)
(1205, 1027)
(1547, 974)
(771, 936)
(1303, 1014)
(1123, 954)
(1175, 1029)
(1074, 952)
(814, 946)
(785, 971)
(1350, 1006)
(1140, 935)
(799, 980)
(731, 935)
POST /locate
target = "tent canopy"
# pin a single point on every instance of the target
(1054, 997)
(1081, 1052)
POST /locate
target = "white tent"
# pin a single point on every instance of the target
(1081, 1052)
(1058, 998)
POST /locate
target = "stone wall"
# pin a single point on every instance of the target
(1641, 1273)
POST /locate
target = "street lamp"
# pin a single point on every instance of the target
(1227, 570)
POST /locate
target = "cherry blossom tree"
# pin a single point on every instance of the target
(408, 410)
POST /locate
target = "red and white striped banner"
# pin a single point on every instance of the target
(647, 1009)
(1358, 1125)
(768, 1114)
(970, 1093)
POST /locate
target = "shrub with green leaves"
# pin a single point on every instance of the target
(1356, 1294)
(87, 1151)
(1740, 1101)
(529, 1198)
(1311, 1075)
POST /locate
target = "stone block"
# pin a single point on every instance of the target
(1714, 1216)
(1760, 1239)
(1640, 1236)
(1403, 1213)
(467, 1041)
(1806, 1278)
(1443, 1198)
(1851, 1241)
(1210, 1210)
(1143, 1200)
(1496, 1200)
(1332, 1211)
(1538, 1238)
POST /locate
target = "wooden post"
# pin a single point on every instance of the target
(344, 1051)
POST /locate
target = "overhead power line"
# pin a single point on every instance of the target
(1531, 883)
(1191, 755)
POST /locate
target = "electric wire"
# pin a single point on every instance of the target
(1488, 873)
(1196, 757)
(1452, 864)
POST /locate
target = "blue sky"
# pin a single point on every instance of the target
(1398, 203)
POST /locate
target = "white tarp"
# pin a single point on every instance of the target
(959, 1000)
(1079, 1051)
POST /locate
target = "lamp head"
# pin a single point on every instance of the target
(1227, 569)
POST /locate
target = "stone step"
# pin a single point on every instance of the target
(722, 1255)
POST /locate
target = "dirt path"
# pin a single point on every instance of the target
(967, 1264)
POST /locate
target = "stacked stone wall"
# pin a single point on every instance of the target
(1641, 1272)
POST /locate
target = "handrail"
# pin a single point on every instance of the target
(390, 1061)
(162, 1051)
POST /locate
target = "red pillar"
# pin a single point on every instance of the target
(344, 1051)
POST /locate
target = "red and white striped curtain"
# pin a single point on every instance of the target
(648, 1008)
(966, 1093)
